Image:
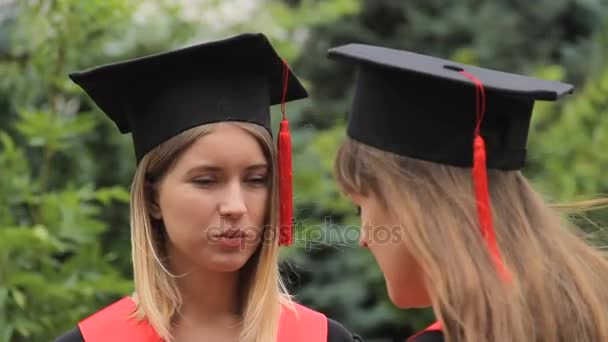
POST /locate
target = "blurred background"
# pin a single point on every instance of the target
(65, 170)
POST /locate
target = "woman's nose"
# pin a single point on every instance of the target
(233, 204)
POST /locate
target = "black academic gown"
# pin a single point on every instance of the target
(429, 336)
(335, 333)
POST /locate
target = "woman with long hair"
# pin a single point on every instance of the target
(206, 198)
(433, 160)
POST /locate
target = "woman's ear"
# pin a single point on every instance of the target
(152, 201)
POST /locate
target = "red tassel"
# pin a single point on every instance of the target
(484, 212)
(285, 173)
(285, 190)
(480, 182)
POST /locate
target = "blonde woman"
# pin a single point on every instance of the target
(432, 159)
(205, 197)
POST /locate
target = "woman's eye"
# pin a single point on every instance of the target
(205, 181)
(358, 208)
(258, 180)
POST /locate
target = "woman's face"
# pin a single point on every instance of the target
(213, 201)
(381, 234)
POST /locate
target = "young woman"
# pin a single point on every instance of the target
(433, 158)
(205, 197)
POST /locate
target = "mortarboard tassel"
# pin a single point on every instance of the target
(484, 212)
(285, 172)
(480, 181)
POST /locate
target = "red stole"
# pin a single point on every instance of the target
(433, 327)
(114, 324)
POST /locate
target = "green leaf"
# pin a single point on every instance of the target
(107, 195)
(19, 298)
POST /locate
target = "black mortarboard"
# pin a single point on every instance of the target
(424, 107)
(158, 96)
(237, 79)
(445, 112)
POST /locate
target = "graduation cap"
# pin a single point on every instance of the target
(423, 107)
(445, 112)
(159, 96)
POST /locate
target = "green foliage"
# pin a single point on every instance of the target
(570, 142)
(472, 31)
(309, 12)
(63, 194)
(52, 268)
(64, 238)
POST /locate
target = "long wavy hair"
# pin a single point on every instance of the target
(559, 289)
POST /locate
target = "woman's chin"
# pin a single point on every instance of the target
(226, 263)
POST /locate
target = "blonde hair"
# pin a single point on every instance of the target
(559, 290)
(158, 298)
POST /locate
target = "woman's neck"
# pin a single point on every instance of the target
(206, 294)
(209, 295)
(210, 305)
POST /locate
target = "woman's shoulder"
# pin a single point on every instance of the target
(300, 320)
(73, 335)
(336, 332)
(110, 319)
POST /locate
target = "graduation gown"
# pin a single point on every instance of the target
(430, 334)
(311, 325)
(427, 336)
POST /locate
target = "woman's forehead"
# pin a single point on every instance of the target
(225, 147)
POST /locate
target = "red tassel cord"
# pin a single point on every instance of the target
(285, 172)
(480, 181)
